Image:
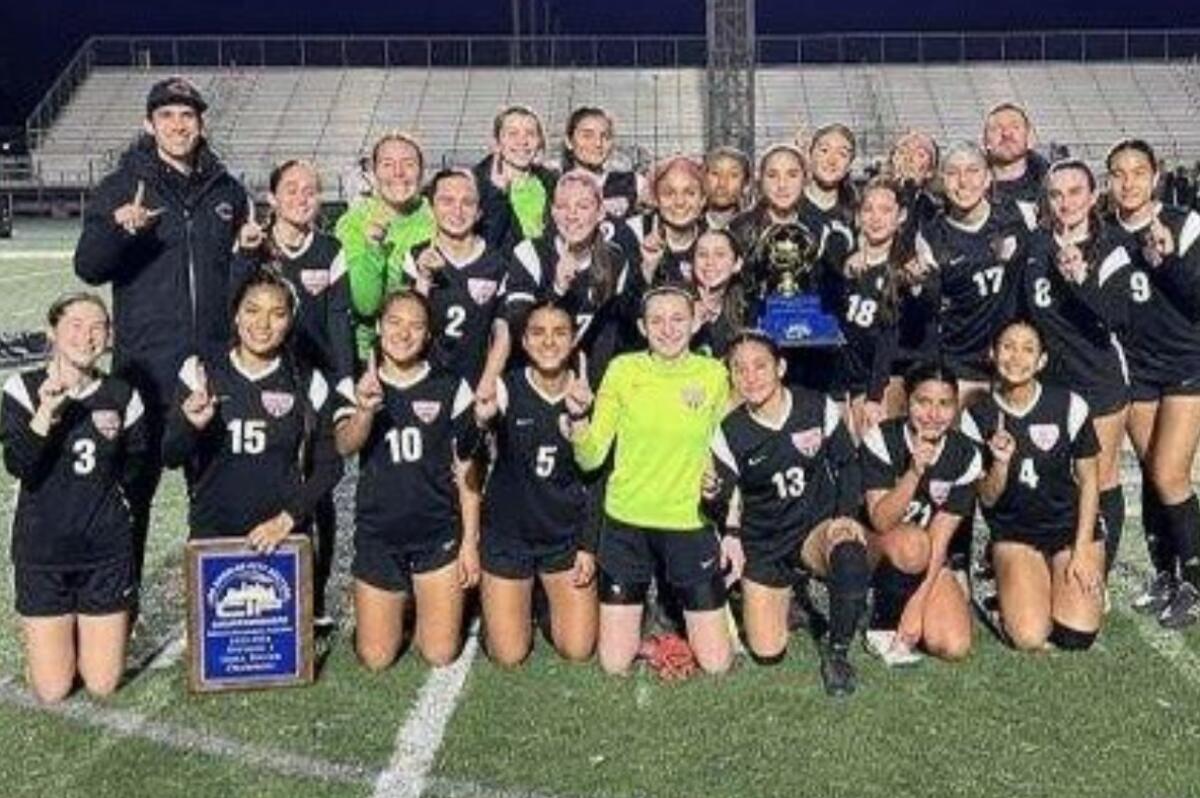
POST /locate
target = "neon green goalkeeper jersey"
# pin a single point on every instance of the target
(661, 416)
(374, 269)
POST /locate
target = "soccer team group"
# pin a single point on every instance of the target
(557, 376)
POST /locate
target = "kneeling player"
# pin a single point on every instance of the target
(919, 473)
(75, 439)
(790, 457)
(249, 422)
(1040, 497)
(534, 510)
(416, 521)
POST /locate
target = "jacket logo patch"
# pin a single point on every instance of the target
(107, 423)
(692, 396)
(1044, 436)
(314, 280)
(939, 490)
(224, 211)
(808, 441)
(426, 411)
(481, 290)
(1004, 248)
(278, 403)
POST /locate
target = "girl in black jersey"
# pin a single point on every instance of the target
(582, 270)
(589, 145)
(975, 252)
(323, 337)
(792, 462)
(662, 242)
(829, 196)
(536, 508)
(919, 474)
(1163, 348)
(722, 306)
(75, 438)
(1040, 498)
(870, 286)
(514, 187)
(416, 530)
(463, 278)
(252, 427)
(782, 173)
(727, 173)
(1076, 289)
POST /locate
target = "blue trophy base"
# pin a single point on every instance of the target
(800, 321)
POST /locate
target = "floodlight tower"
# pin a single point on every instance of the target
(730, 74)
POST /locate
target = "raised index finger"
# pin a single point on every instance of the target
(139, 194)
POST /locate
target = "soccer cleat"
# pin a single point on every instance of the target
(1157, 594)
(882, 643)
(837, 672)
(1184, 609)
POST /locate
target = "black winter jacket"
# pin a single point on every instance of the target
(170, 281)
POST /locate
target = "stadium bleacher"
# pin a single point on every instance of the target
(260, 116)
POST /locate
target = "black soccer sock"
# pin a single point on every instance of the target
(1112, 516)
(1159, 544)
(893, 589)
(849, 576)
(1183, 521)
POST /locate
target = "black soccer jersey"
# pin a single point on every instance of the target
(918, 307)
(406, 488)
(1162, 342)
(248, 464)
(71, 508)
(791, 476)
(465, 298)
(536, 492)
(713, 337)
(948, 483)
(604, 327)
(835, 226)
(620, 192)
(870, 330)
(1040, 498)
(978, 272)
(322, 336)
(675, 266)
(1024, 194)
(1080, 321)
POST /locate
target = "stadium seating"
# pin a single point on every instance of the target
(262, 115)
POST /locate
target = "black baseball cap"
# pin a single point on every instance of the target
(175, 91)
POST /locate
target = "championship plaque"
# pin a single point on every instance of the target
(792, 313)
(249, 615)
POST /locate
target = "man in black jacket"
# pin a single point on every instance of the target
(161, 230)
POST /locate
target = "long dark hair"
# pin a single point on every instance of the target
(734, 304)
(1091, 247)
(930, 371)
(847, 198)
(573, 121)
(900, 251)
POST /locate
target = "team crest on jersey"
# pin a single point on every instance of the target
(692, 396)
(278, 403)
(481, 290)
(1044, 436)
(107, 423)
(1004, 248)
(685, 268)
(314, 280)
(426, 411)
(224, 211)
(939, 490)
(807, 441)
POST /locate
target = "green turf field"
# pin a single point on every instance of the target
(1121, 721)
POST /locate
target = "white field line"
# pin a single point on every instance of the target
(36, 254)
(418, 741)
(127, 723)
(1168, 644)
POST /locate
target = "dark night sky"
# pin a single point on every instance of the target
(37, 37)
